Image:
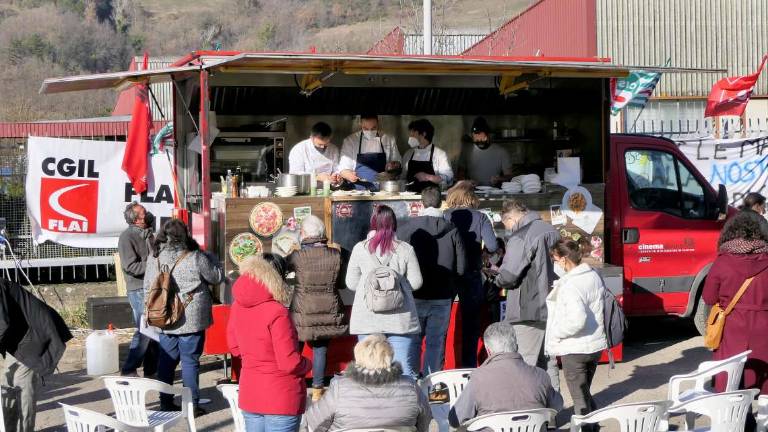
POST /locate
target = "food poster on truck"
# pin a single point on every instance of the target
(740, 164)
(76, 191)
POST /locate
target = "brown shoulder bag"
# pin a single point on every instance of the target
(163, 307)
(717, 316)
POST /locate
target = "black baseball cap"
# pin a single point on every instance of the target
(480, 125)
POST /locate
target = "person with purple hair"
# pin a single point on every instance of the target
(401, 326)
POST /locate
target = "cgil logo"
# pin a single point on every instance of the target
(69, 205)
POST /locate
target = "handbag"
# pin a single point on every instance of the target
(717, 316)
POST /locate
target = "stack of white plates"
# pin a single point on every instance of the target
(513, 186)
(531, 183)
(285, 191)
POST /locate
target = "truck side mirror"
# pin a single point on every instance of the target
(722, 202)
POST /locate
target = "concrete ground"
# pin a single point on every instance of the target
(657, 348)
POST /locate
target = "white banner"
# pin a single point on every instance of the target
(741, 164)
(76, 191)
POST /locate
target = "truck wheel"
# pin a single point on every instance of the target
(700, 316)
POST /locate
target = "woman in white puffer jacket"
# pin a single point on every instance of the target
(575, 330)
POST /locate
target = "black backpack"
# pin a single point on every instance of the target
(614, 322)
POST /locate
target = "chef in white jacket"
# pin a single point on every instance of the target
(425, 163)
(316, 154)
(369, 152)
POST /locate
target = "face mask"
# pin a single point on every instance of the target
(559, 270)
(482, 145)
(413, 142)
(369, 134)
(495, 259)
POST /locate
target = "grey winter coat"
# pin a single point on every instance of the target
(192, 275)
(488, 391)
(527, 270)
(133, 248)
(363, 398)
(404, 262)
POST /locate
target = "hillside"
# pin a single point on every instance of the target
(91, 36)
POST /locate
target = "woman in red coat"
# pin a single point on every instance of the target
(272, 388)
(743, 254)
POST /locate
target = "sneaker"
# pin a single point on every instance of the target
(439, 394)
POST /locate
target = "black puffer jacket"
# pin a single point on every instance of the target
(440, 251)
(365, 398)
(316, 308)
(30, 330)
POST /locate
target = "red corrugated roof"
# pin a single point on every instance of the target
(71, 128)
(393, 43)
(551, 28)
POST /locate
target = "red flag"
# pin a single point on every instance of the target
(729, 96)
(135, 159)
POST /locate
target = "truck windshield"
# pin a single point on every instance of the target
(657, 181)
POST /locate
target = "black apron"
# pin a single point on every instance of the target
(415, 167)
(369, 165)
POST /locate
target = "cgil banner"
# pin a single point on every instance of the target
(76, 191)
(741, 164)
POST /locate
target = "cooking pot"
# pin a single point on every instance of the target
(300, 181)
(393, 186)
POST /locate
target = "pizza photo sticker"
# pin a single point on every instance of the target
(69, 205)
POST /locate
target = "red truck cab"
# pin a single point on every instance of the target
(663, 219)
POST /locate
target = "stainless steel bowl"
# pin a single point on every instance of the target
(392, 186)
(300, 181)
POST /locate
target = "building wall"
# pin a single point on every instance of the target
(727, 34)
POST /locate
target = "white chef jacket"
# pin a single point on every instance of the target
(350, 145)
(304, 158)
(440, 162)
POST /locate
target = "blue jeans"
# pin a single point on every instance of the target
(434, 317)
(319, 354)
(471, 300)
(142, 349)
(406, 349)
(186, 348)
(270, 422)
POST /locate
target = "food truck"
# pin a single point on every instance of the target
(648, 219)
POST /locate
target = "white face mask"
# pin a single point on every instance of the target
(369, 134)
(413, 142)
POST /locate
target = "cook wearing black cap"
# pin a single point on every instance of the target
(485, 163)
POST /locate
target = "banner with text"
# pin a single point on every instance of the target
(741, 164)
(76, 192)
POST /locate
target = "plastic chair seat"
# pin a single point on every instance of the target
(129, 400)
(513, 421)
(726, 411)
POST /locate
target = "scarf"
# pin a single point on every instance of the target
(741, 246)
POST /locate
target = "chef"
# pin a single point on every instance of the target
(484, 162)
(425, 163)
(368, 153)
(316, 154)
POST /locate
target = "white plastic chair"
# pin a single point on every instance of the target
(632, 417)
(727, 411)
(85, 420)
(455, 380)
(762, 413)
(129, 399)
(702, 377)
(231, 393)
(514, 421)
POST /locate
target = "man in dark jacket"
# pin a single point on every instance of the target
(33, 338)
(488, 391)
(527, 272)
(133, 247)
(442, 260)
